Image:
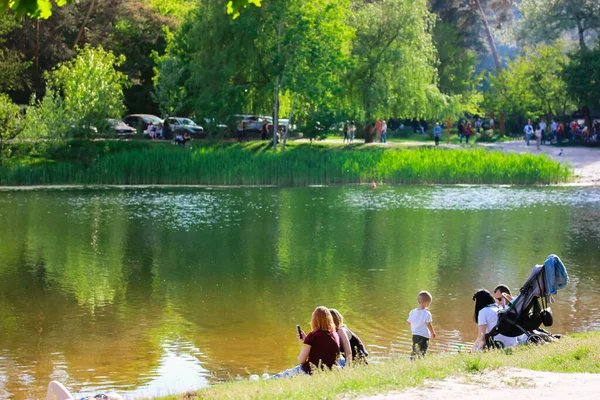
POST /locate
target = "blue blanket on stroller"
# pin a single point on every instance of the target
(556, 274)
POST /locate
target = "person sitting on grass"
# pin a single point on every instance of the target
(421, 325)
(351, 347)
(320, 348)
(486, 317)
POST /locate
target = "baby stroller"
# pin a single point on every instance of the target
(529, 310)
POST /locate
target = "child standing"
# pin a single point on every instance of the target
(421, 325)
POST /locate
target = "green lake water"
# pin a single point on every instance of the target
(156, 291)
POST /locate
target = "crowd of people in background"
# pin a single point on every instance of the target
(556, 132)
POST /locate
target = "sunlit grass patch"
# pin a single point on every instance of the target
(301, 164)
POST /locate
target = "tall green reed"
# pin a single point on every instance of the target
(242, 164)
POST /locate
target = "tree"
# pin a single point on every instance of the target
(9, 121)
(285, 50)
(234, 6)
(393, 72)
(546, 20)
(456, 63)
(31, 8)
(86, 102)
(12, 65)
(532, 85)
(582, 77)
(169, 89)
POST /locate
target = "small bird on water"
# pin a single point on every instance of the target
(373, 185)
(560, 152)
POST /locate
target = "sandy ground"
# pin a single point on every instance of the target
(504, 384)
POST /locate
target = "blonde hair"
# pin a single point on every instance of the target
(424, 297)
(338, 320)
(322, 320)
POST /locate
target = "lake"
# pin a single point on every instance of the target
(160, 290)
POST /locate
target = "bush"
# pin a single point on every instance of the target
(485, 136)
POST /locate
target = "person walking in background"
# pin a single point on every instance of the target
(528, 130)
(542, 127)
(264, 130)
(468, 131)
(554, 130)
(383, 132)
(378, 129)
(421, 326)
(478, 125)
(352, 131)
(538, 138)
(437, 133)
(461, 130)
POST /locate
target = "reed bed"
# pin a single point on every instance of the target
(243, 164)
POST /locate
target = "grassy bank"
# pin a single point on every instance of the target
(575, 353)
(123, 163)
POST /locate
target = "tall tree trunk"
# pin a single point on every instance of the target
(85, 20)
(580, 32)
(277, 88)
(492, 44)
(276, 114)
(287, 128)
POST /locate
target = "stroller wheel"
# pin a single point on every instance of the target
(535, 339)
(498, 344)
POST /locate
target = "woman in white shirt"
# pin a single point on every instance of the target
(486, 316)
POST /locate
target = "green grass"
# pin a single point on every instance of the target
(575, 353)
(146, 163)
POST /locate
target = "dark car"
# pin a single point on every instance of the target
(133, 120)
(185, 125)
(121, 129)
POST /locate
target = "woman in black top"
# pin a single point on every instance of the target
(351, 347)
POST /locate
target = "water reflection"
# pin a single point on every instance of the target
(159, 291)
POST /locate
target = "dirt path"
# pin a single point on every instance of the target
(504, 384)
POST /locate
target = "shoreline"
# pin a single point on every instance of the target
(510, 373)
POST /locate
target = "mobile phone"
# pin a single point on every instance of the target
(299, 331)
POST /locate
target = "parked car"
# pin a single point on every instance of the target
(121, 129)
(285, 122)
(213, 121)
(183, 125)
(134, 119)
(254, 123)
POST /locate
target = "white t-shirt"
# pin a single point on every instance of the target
(489, 316)
(543, 126)
(418, 318)
(553, 126)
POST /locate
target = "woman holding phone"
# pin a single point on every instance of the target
(320, 348)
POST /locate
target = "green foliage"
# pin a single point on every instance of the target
(87, 103)
(300, 165)
(234, 6)
(234, 66)
(532, 85)
(10, 125)
(12, 64)
(546, 20)
(47, 119)
(169, 90)
(394, 57)
(456, 63)
(31, 8)
(582, 77)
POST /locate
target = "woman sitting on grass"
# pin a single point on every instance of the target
(351, 347)
(486, 317)
(320, 348)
